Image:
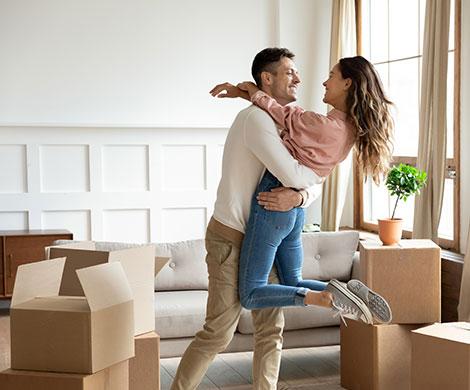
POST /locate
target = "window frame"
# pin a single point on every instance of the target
(452, 164)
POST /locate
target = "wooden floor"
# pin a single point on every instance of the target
(302, 369)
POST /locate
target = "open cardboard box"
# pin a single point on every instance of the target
(70, 334)
(139, 265)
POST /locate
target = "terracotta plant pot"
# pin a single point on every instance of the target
(390, 230)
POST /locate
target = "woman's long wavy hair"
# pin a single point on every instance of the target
(369, 109)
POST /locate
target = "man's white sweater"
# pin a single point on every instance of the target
(253, 145)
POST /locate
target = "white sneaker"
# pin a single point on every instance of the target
(347, 304)
(377, 304)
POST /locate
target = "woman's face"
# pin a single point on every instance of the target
(336, 88)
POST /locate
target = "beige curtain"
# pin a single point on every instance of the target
(432, 118)
(464, 301)
(343, 44)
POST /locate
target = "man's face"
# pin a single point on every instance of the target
(283, 82)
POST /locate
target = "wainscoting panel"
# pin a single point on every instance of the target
(126, 225)
(125, 168)
(13, 175)
(13, 220)
(183, 223)
(184, 167)
(64, 168)
(77, 221)
(128, 184)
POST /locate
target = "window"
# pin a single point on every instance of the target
(391, 37)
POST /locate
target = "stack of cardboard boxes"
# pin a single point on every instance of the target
(85, 320)
(408, 276)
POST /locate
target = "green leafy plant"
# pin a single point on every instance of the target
(403, 181)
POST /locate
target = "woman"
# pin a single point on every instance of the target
(360, 119)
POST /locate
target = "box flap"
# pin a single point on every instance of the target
(88, 245)
(453, 331)
(160, 262)
(104, 285)
(41, 278)
(76, 259)
(136, 261)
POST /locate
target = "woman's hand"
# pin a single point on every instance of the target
(227, 90)
(249, 87)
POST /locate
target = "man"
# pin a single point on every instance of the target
(253, 145)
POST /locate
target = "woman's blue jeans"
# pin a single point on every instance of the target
(273, 237)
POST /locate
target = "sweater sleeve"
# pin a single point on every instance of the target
(262, 139)
(290, 117)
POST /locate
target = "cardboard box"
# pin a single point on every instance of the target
(111, 378)
(375, 357)
(441, 357)
(70, 334)
(144, 367)
(407, 275)
(139, 266)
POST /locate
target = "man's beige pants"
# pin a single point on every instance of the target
(222, 315)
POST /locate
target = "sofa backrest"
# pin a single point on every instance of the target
(327, 255)
(186, 270)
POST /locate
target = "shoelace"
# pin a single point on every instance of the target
(341, 309)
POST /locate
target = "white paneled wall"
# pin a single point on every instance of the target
(115, 184)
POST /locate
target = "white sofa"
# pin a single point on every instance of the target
(181, 293)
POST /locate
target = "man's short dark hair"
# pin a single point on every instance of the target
(265, 61)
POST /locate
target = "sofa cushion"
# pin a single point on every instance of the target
(295, 318)
(329, 255)
(179, 313)
(186, 270)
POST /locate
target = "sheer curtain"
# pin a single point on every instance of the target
(464, 301)
(432, 119)
(343, 44)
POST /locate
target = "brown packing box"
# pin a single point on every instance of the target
(139, 265)
(441, 357)
(375, 357)
(70, 334)
(144, 368)
(111, 378)
(407, 275)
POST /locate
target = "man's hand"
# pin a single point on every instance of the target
(227, 90)
(280, 199)
(249, 87)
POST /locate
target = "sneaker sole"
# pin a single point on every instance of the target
(377, 304)
(353, 298)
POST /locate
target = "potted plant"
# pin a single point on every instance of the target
(402, 181)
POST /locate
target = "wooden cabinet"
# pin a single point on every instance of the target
(19, 247)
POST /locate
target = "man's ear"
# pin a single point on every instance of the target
(266, 78)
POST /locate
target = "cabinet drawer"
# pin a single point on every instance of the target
(20, 250)
(2, 274)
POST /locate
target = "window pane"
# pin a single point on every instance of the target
(422, 14)
(450, 106)
(446, 224)
(404, 28)
(452, 26)
(404, 92)
(376, 202)
(378, 32)
(379, 204)
(365, 27)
